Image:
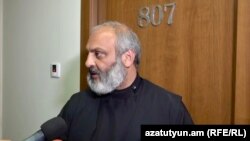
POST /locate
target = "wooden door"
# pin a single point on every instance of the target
(242, 86)
(193, 56)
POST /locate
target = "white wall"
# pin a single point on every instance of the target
(1, 60)
(35, 34)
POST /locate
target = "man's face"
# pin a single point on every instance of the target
(106, 71)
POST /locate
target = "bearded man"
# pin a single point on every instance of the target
(118, 100)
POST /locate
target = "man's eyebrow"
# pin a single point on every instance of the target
(96, 49)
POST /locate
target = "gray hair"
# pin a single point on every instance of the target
(126, 39)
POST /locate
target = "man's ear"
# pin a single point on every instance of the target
(128, 58)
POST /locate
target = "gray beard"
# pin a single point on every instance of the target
(109, 80)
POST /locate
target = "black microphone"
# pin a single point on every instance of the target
(50, 130)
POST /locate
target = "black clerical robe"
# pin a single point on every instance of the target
(118, 116)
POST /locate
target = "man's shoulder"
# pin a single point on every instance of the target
(165, 104)
(155, 90)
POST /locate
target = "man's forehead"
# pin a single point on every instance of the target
(104, 37)
(103, 32)
(105, 29)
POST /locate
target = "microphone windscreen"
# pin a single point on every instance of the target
(54, 128)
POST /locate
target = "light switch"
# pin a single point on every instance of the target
(55, 70)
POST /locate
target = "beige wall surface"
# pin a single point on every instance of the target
(37, 33)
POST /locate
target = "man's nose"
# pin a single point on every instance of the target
(89, 61)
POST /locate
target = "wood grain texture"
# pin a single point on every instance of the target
(85, 27)
(242, 94)
(193, 57)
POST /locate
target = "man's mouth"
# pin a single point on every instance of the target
(94, 74)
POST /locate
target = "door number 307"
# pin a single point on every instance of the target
(147, 16)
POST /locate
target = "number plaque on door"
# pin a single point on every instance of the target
(147, 14)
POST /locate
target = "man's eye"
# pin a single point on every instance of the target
(99, 54)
